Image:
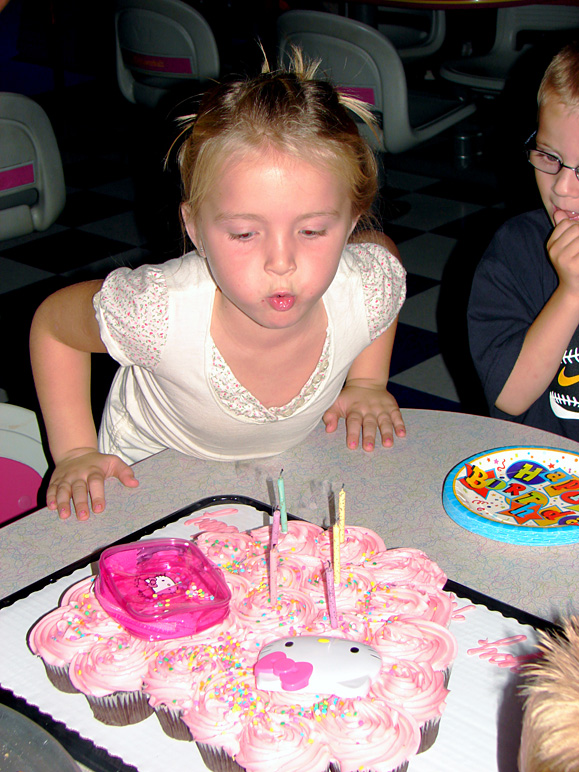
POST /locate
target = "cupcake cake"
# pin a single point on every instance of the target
(203, 687)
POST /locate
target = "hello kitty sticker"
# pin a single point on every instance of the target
(521, 495)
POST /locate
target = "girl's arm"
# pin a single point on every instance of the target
(550, 333)
(63, 335)
(364, 402)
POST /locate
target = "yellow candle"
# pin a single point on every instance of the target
(336, 553)
(342, 514)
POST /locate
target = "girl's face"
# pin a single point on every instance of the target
(558, 134)
(273, 229)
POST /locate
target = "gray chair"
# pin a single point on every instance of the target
(362, 62)
(161, 45)
(32, 190)
(488, 72)
(416, 33)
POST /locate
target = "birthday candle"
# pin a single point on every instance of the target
(342, 514)
(281, 491)
(275, 528)
(336, 552)
(273, 575)
(331, 590)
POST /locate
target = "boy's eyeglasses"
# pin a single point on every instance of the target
(545, 162)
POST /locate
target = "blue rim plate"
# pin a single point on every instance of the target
(519, 494)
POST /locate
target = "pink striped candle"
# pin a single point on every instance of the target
(331, 593)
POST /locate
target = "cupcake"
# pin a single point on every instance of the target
(110, 675)
(418, 689)
(65, 632)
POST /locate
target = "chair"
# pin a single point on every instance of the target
(22, 461)
(32, 190)
(488, 73)
(362, 62)
(415, 33)
(161, 45)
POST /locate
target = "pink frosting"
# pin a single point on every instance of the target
(405, 566)
(365, 734)
(81, 592)
(118, 664)
(219, 712)
(301, 538)
(360, 544)
(416, 641)
(296, 744)
(66, 630)
(416, 687)
(285, 616)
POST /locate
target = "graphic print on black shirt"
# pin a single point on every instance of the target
(564, 389)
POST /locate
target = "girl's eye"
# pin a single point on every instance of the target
(311, 233)
(241, 236)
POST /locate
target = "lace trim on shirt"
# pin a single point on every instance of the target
(239, 401)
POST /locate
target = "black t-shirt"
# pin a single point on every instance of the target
(512, 283)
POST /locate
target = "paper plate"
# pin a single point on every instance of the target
(521, 495)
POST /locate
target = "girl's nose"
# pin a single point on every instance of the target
(280, 257)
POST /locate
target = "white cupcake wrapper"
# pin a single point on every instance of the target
(120, 708)
(428, 734)
(217, 760)
(58, 677)
(172, 725)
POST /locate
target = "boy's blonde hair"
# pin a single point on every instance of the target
(286, 110)
(561, 78)
(550, 737)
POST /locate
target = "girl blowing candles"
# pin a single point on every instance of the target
(237, 349)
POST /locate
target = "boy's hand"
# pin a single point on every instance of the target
(563, 248)
(366, 408)
(81, 475)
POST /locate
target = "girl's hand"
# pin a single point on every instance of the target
(81, 475)
(366, 408)
(563, 249)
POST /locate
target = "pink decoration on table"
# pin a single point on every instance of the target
(292, 675)
(488, 650)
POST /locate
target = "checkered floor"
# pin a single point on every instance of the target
(122, 210)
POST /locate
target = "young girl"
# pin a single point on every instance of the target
(237, 349)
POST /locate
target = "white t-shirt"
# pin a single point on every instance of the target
(174, 390)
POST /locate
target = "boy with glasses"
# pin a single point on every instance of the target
(523, 314)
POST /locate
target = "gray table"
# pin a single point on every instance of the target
(396, 492)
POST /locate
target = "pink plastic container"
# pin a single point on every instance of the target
(161, 588)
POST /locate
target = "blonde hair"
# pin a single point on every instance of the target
(561, 78)
(550, 737)
(286, 110)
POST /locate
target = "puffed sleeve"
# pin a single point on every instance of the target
(383, 282)
(132, 312)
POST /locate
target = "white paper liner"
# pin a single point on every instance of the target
(480, 726)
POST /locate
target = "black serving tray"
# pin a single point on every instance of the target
(98, 759)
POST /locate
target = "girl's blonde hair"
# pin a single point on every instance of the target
(286, 110)
(550, 738)
(561, 78)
